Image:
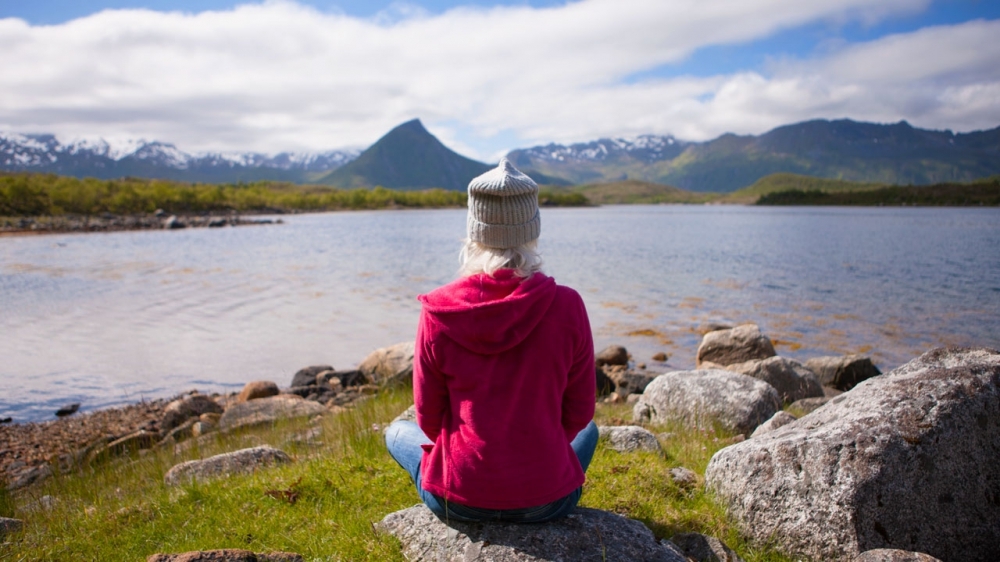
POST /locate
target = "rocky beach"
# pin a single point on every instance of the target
(830, 459)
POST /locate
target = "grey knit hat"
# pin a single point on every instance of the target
(503, 208)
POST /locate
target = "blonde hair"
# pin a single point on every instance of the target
(477, 258)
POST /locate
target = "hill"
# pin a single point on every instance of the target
(841, 149)
(407, 157)
(775, 183)
(637, 192)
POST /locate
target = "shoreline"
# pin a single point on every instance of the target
(109, 222)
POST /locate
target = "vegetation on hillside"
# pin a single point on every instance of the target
(986, 193)
(638, 192)
(787, 182)
(323, 506)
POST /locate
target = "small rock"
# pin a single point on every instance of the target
(790, 378)
(660, 356)
(182, 409)
(736, 345)
(30, 476)
(238, 462)
(703, 548)
(705, 397)
(683, 477)
(629, 438)
(605, 385)
(777, 420)
(123, 446)
(307, 375)
(588, 535)
(67, 410)
(257, 389)
(626, 381)
(268, 410)
(8, 419)
(892, 555)
(807, 405)
(389, 366)
(226, 555)
(200, 428)
(9, 526)
(612, 355)
(43, 503)
(632, 398)
(844, 372)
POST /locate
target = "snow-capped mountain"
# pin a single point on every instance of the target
(645, 148)
(102, 159)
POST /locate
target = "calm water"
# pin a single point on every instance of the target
(105, 319)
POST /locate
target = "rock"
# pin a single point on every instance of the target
(226, 555)
(605, 385)
(632, 398)
(777, 420)
(353, 377)
(736, 345)
(892, 555)
(612, 355)
(172, 222)
(9, 526)
(303, 391)
(683, 477)
(703, 548)
(43, 503)
(8, 419)
(843, 372)
(243, 461)
(182, 431)
(67, 410)
(807, 405)
(389, 365)
(257, 389)
(705, 397)
(29, 476)
(200, 428)
(660, 356)
(268, 410)
(906, 460)
(789, 377)
(629, 438)
(123, 446)
(180, 410)
(307, 376)
(626, 381)
(589, 535)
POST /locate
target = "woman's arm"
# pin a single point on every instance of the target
(430, 395)
(581, 385)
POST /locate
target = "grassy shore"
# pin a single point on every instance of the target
(323, 505)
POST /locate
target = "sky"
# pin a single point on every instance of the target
(487, 76)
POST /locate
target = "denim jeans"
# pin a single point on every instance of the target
(404, 438)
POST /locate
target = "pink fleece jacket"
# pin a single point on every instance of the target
(503, 380)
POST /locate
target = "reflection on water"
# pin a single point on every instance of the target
(109, 318)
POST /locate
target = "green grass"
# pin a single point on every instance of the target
(784, 182)
(123, 511)
(639, 192)
(982, 193)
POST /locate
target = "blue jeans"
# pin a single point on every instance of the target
(404, 438)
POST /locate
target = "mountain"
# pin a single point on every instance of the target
(841, 149)
(407, 157)
(46, 154)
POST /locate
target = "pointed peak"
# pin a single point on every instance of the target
(411, 125)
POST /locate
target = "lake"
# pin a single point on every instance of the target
(107, 319)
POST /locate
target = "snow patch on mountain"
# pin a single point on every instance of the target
(648, 148)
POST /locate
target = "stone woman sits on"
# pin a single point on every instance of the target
(503, 378)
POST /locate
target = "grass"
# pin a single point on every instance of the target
(323, 506)
(775, 183)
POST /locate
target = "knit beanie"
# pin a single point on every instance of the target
(503, 208)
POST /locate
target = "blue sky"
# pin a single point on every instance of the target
(488, 76)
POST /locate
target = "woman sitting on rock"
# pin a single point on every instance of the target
(503, 374)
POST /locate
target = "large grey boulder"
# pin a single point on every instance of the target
(907, 460)
(389, 366)
(791, 379)
(629, 438)
(736, 345)
(843, 372)
(180, 410)
(268, 410)
(587, 535)
(705, 397)
(243, 461)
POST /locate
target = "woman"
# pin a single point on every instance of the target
(503, 374)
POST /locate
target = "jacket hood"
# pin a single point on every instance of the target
(489, 315)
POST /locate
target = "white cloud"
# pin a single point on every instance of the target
(281, 76)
